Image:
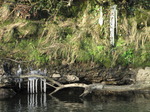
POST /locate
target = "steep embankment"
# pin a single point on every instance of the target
(61, 33)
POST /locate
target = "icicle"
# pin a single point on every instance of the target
(19, 72)
(33, 84)
(36, 80)
(28, 85)
(113, 24)
(101, 17)
(44, 85)
(41, 85)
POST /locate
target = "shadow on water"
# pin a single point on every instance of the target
(42, 102)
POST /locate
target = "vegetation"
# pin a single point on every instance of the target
(60, 31)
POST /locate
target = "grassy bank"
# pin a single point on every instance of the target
(71, 34)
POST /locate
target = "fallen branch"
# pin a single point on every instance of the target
(89, 88)
(69, 86)
(40, 76)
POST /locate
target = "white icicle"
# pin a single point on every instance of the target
(33, 84)
(44, 81)
(18, 73)
(28, 85)
(36, 80)
(41, 85)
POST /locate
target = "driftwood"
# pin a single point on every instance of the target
(89, 88)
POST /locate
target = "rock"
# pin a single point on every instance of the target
(143, 75)
(72, 78)
(1, 71)
(6, 93)
(147, 68)
(56, 76)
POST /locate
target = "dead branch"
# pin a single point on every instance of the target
(40, 76)
(89, 88)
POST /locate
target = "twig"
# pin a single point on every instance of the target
(17, 61)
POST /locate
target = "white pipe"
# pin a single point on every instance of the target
(116, 13)
(101, 17)
(113, 24)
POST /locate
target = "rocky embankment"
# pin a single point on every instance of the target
(88, 74)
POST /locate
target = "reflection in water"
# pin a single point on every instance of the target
(35, 100)
(45, 103)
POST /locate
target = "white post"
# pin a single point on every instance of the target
(113, 24)
(101, 17)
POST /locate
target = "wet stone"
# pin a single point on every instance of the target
(6, 93)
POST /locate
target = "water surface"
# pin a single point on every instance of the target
(46, 103)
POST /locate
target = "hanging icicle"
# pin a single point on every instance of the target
(19, 72)
(113, 24)
(43, 85)
(32, 85)
(100, 21)
(43, 81)
(33, 82)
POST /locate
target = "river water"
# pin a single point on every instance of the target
(45, 103)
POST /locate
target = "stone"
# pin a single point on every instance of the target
(6, 93)
(72, 78)
(143, 75)
(56, 76)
